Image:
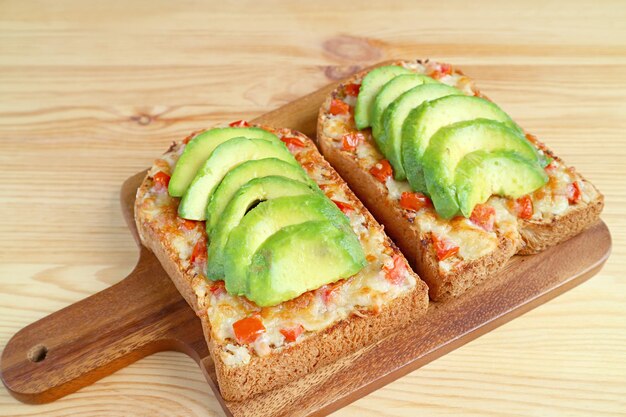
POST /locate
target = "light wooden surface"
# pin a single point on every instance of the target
(90, 94)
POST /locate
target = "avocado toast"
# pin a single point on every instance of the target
(458, 185)
(284, 266)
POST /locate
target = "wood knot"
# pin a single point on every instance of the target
(142, 119)
(339, 72)
(353, 48)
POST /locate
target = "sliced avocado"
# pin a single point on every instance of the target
(481, 174)
(198, 150)
(245, 172)
(265, 220)
(391, 91)
(225, 157)
(451, 143)
(253, 192)
(300, 258)
(370, 86)
(397, 112)
(427, 119)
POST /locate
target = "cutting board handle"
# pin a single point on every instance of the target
(67, 350)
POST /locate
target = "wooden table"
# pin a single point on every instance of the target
(90, 94)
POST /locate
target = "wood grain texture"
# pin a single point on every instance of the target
(90, 93)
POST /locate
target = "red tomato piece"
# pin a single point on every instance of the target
(239, 123)
(189, 224)
(218, 288)
(524, 207)
(292, 143)
(339, 107)
(484, 216)
(248, 330)
(199, 253)
(573, 193)
(352, 89)
(395, 274)
(382, 170)
(292, 333)
(161, 180)
(414, 201)
(443, 247)
(327, 292)
(350, 141)
(345, 207)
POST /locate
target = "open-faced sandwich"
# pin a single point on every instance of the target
(458, 185)
(285, 267)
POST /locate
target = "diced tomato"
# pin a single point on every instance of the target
(350, 141)
(339, 107)
(352, 89)
(292, 143)
(199, 253)
(414, 201)
(292, 333)
(327, 292)
(345, 207)
(573, 193)
(382, 170)
(218, 288)
(524, 207)
(484, 216)
(189, 224)
(395, 274)
(248, 330)
(239, 123)
(444, 69)
(444, 247)
(161, 180)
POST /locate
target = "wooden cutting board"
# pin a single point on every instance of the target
(144, 314)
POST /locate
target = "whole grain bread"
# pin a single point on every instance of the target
(534, 235)
(263, 373)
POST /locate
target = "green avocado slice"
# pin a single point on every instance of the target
(225, 157)
(253, 192)
(482, 174)
(198, 150)
(265, 220)
(450, 145)
(391, 91)
(424, 121)
(300, 258)
(397, 112)
(370, 86)
(245, 172)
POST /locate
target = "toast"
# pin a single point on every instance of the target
(562, 208)
(337, 319)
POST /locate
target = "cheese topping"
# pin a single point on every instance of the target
(553, 200)
(364, 293)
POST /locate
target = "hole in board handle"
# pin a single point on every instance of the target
(37, 353)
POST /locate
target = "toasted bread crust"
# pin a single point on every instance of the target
(535, 235)
(264, 373)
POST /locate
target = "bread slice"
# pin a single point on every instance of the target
(338, 318)
(482, 253)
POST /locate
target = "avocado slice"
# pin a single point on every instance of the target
(300, 258)
(391, 91)
(370, 86)
(225, 157)
(265, 220)
(397, 112)
(198, 150)
(256, 190)
(481, 174)
(427, 119)
(245, 172)
(451, 143)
